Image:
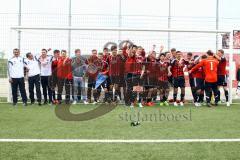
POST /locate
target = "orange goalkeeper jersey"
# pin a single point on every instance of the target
(210, 67)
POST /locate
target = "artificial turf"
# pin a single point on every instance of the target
(174, 123)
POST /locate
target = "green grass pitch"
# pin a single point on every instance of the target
(34, 122)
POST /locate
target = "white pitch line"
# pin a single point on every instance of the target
(119, 140)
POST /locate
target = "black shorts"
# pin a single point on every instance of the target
(117, 80)
(122, 82)
(114, 80)
(209, 86)
(197, 83)
(107, 83)
(170, 80)
(135, 79)
(178, 82)
(191, 82)
(140, 81)
(150, 82)
(163, 85)
(132, 79)
(91, 83)
(222, 80)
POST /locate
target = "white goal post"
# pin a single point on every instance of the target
(117, 29)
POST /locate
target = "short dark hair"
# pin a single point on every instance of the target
(189, 53)
(162, 54)
(113, 48)
(178, 52)
(63, 50)
(44, 50)
(100, 53)
(77, 50)
(209, 53)
(173, 50)
(94, 50)
(204, 56)
(220, 50)
(15, 50)
(56, 51)
(195, 57)
(134, 46)
(105, 48)
(28, 54)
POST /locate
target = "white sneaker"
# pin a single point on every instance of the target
(85, 102)
(132, 106)
(94, 102)
(196, 104)
(74, 102)
(175, 104)
(228, 104)
(140, 105)
(118, 99)
(181, 104)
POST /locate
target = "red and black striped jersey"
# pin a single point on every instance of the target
(222, 66)
(162, 71)
(116, 65)
(177, 67)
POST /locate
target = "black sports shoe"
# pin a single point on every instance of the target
(67, 102)
(14, 104)
(209, 105)
(134, 124)
(39, 103)
(25, 104)
(45, 103)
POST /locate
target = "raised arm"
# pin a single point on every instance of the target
(196, 67)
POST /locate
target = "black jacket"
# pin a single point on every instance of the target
(238, 74)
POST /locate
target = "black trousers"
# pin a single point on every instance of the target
(18, 83)
(34, 81)
(61, 84)
(209, 88)
(47, 92)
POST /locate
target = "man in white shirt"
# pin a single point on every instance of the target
(16, 77)
(45, 72)
(33, 70)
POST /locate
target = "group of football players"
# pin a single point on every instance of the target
(128, 74)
